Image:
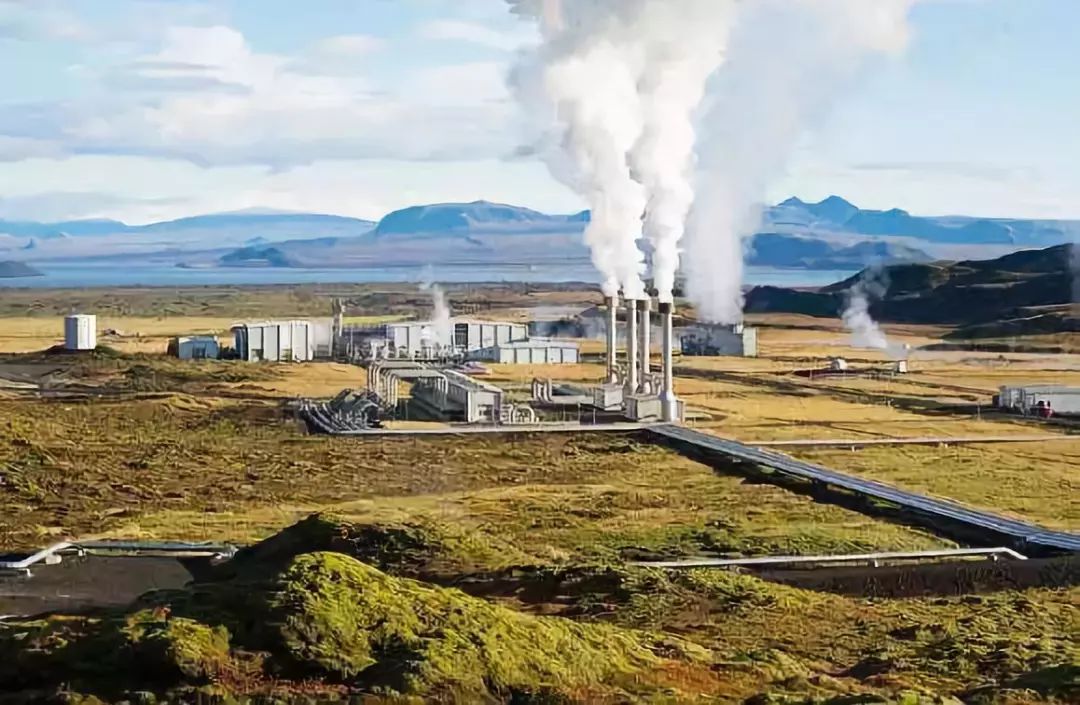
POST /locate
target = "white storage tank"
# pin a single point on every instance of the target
(80, 332)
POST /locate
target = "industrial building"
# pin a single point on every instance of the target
(535, 351)
(455, 396)
(195, 347)
(632, 385)
(275, 341)
(719, 340)
(1040, 400)
(80, 332)
(429, 338)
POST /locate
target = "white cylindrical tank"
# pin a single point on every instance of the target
(80, 332)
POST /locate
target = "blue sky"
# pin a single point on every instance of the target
(151, 109)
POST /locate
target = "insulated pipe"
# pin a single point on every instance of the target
(668, 402)
(612, 304)
(644, 308)
(631, 347)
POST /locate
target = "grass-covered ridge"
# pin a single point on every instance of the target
(324, 622)
(323, 612)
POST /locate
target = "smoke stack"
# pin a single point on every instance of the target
(644, 308)
(668, 401)
(612, 305)
(631, 347)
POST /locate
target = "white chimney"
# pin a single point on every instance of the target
(668, 401)
(612, 304)
(631, 347)
(644, 313)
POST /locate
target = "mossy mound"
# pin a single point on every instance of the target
(144, 647)
(328, 623)
(411, 549)
(351, 622)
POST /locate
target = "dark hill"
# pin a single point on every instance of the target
(257, 257)
(967, 293)
(461, 218)
(14, 270)
(795, 251)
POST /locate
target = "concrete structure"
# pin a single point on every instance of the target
(609, 397)
(645, 346)
(719, 340)
(275, 341)
(459, 397)
(80, 332)
(195, 347)
(671, 407)
(1031, 399)
(632, 368)
(642, 407)
(612, 325)
(421, 339)
(535, 351)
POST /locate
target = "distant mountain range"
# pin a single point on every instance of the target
(831, 234)
(835, 215)
(17, 270)
(1026, 291)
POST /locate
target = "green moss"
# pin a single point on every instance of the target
(412, 549)
(351, 622)
(178, 648)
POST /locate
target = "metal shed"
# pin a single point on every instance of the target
(275, 341)
(719, 340)
(195, 347)
(412, 338)
(1059, 398)
(80, 332)
(530, 352)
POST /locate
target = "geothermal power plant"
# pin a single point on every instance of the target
(443, 371)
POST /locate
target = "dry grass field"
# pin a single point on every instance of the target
(130, 444)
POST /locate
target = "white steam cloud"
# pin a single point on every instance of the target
(625, 78)
(788, 62)
(685, 42)
(865, 331)
(623, 81)
(441, 330)
(587, 68)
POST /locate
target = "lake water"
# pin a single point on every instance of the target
(111, 274)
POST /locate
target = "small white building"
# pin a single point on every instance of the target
(1059, 398)
(195, 347)
(275, 341)
(535, 351)
(80, 332)
(719, 340)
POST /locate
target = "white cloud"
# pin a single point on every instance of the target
(41, 20)
(142, 189)
(204, 94)
(351, 45)
(476, 33)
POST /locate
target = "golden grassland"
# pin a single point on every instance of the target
(139, 446)
(763, 399)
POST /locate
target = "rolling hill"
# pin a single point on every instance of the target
(832, 234)
(1030, 284)
(16, 270)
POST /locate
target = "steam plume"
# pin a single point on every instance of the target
(865, 332)
(684, 43)
(788, 61)
(587, 68)
(441, 326)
